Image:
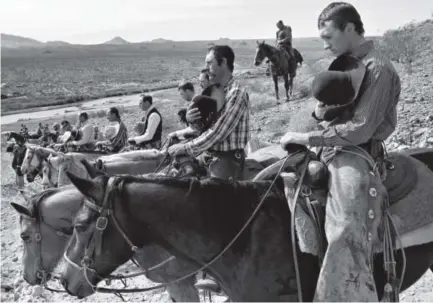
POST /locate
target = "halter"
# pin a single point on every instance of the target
(105, 211)
(31, 153)
(43, 273)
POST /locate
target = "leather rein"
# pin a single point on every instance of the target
(106, 212)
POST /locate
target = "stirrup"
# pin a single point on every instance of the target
(208, 284)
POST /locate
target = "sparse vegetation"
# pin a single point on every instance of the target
(402, 45)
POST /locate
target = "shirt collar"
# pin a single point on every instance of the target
(150, 108)
(229, 84)
(363, 49)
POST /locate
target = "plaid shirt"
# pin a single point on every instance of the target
(375, 115)
(232, 129)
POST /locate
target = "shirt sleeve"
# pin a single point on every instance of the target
(153, 122)
(226, 124)
(186, 131)
(87, 135)
(381, 94)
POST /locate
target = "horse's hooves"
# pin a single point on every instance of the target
(287, 99)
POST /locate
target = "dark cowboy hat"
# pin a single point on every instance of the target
(207, 107)
(337, 88)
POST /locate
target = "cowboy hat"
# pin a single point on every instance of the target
(207, 107)
(337, 88)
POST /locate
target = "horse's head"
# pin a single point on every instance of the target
(45, 227)
(33, 160)
(98, 245)
(52, 168)
(261, 53)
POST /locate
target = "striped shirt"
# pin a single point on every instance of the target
(375, 115)
(232, 129)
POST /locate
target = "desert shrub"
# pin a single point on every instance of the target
(400, 45)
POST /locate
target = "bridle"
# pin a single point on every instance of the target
(31, 153)
(106, 212)
(42, 273)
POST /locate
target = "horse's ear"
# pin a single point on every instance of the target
(24, 207)
(91, 170)
(263, 42)
(257, 41)
(86, 187)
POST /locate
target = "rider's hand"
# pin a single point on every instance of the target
(177, 150)
(193, 115)
(294, 137)
(172, 136)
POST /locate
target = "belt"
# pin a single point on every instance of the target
(238, 153)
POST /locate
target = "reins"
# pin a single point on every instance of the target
(100, 227)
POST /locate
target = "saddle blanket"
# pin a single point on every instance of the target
(412, 215)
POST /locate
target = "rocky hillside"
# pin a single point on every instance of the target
(11, 41)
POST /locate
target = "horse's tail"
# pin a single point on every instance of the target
(298, 56)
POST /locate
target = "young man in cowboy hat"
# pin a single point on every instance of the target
(351, 145)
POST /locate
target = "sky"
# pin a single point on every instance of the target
(96, 21)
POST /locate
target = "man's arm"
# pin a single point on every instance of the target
(381, 95)
(185, 132)
(87, 134)
(237, 105)
(152, 124)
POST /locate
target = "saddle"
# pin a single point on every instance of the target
(401, 179)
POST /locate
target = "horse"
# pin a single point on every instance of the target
(280, 66)
(37, 160)
(46, 224)
(143, 162)
(18, 150)
(250, 254)
(132, 162)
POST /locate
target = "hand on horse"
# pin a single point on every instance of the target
(294, 138)
(177, 150)
(132, 141)
(171, 136)
(193, 115)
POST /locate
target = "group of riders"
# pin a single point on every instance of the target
(355, 113)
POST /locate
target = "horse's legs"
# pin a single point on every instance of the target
(183, 291)
(418, 260)
(291, 84)
(287, 86)
(275, 78)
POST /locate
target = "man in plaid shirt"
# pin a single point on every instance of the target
(221, 148)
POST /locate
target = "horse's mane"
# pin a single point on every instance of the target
(38, 197)
(208, 186)
(223, 207)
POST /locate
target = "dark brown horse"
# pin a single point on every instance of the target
(281, 65)
(196, 220)
(46, 224)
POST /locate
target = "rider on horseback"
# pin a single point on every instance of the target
(284, 38)
(352, 147)
(221, 147)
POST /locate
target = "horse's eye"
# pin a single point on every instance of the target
(25, 237)
(80, 228)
